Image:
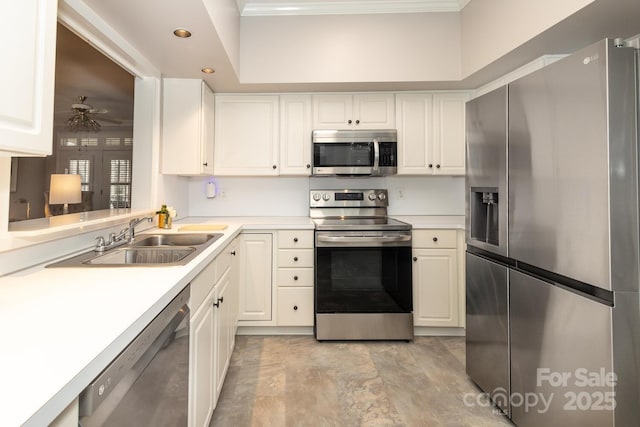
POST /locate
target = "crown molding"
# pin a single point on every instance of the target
(349, 7)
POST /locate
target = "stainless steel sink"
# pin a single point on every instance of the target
(175, 239)
(153, 250)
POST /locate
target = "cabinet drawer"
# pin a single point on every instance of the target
(290, 239)
(295, 258)
(295, 277)
(295, 307)
(434, 238)
(201, 285)
(223, 262)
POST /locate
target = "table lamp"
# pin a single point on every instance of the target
(65, 189)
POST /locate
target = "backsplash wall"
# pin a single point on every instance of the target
(289, 196)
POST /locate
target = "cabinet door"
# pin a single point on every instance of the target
(234, 285)
(414, 114)
(222, 320)
(27, 84)
(255, 276)
(435, 287)
(201, 354)
(332, 111)
(187, 127)
(449, 133)
(374, 111)
(246, 135)
(295, 134)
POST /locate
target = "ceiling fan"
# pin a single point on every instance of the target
(81, 120)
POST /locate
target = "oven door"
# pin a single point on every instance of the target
(363, 272)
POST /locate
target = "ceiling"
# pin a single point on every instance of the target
(81, 70)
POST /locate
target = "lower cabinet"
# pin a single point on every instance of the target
(436, 279)
(295, 306)
(255, 266)
(212, 333)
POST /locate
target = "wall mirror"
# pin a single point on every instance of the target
(92, 137)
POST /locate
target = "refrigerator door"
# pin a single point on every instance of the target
(486, 184)
(487, 334)
(561, 362)
(573, 205)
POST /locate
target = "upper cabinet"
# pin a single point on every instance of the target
(27, 83)
(247, 135)
(431, 137)
(187, 127)
(295, 134)
(360, 111)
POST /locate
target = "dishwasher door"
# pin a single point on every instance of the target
(148, 383)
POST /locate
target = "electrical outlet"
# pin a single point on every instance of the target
(400, 193)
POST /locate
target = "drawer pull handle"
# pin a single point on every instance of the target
(295, 240)
(295, 258)
(435, 239)
(295, 307)
(295, 277)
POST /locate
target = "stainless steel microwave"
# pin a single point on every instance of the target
(355, 152)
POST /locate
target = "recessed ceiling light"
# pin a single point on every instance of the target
(208, 70)
(182, 33)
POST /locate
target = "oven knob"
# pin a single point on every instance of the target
(372, 196)
(316, 197)
(326, 197)
(382, 196)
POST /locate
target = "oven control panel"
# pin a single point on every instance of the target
(348, 198)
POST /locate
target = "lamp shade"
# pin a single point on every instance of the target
(65, 188)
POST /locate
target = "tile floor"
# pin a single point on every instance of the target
(296, 381)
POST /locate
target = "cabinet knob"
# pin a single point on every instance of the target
(438, 166)
(295, 240)
(430, 165)
(295, 277)
(357, 122)
(274, 166)
(295, 258)
(295, 307)
(221, 299)
(216, 304)
(308, 166)
(415, 258)
(205, 164)
(435, 239)
(233, 253)
(349, 121)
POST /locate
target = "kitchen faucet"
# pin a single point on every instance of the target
(119, 239)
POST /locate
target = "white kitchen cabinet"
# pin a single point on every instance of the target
(247, 135)
(294, 277)
(431, 133)
(223, 342)
(201, 364)
(354, 111)
(436, 300)
(187, 127)
(295, 134)
(255, 267)
(27, 84)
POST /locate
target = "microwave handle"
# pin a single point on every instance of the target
(376, 156)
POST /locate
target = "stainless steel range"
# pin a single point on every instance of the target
(363, 267)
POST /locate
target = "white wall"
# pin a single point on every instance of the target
(226, 20)
(280, 196)
(493, 28)
(350, 48)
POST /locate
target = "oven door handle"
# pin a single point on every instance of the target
(390, 238)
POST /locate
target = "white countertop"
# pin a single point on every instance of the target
(433, 221)
(61, 327)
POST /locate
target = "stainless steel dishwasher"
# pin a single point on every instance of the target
(148, 383)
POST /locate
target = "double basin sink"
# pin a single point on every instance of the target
(146, 251)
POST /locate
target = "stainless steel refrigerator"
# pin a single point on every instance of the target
(572, 242)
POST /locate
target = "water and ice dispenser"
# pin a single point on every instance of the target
(484, 214)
